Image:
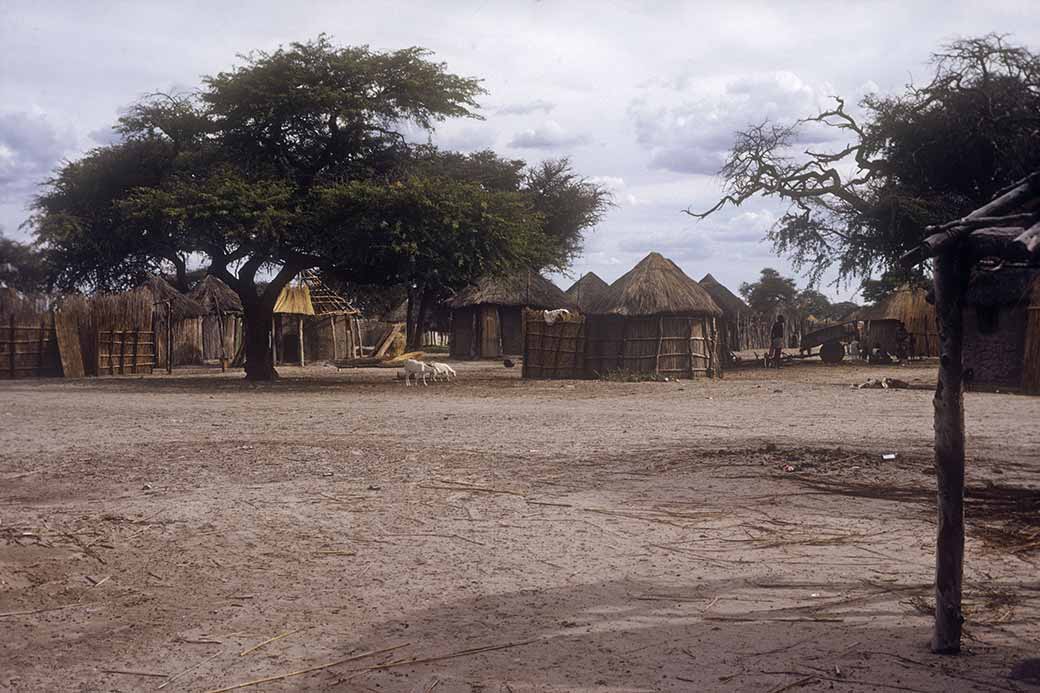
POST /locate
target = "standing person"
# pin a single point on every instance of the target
(776, 341)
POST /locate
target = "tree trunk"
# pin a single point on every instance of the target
(421, 316)
(409, 325)
(257, 322)
(950, 281)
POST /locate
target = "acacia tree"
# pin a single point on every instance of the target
(922, 157)
(21, 266)
(237, 173)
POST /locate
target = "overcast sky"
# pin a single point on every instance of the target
(643, 97)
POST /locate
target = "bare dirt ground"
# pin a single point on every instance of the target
(735, 535)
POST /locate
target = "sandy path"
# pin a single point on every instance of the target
(641, 536)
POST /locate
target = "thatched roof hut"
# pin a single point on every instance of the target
(655, 286)
(183, 307)
(729, 302)
(907, 305)
(222, 325)
(737, 323)
(184, 331)
(487, 318)
(654, 320)
(215, 296)
(522, 289)
(587, 290)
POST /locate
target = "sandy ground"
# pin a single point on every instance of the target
(596, 536)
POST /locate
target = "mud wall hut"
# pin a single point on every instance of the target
(1002, 329)
(222, 323)
(487, 319)
(586, 291)
(654, 320)
(177, 323)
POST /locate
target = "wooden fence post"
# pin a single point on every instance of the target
(950, 278)
(12, 347)
(169, 337)
(42, 347)
(137, 338)
(111, 352)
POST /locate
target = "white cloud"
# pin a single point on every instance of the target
(548, 135)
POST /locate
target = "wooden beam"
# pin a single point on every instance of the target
(950, 281)
(949, 234)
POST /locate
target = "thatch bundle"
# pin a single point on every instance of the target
(216, 297)
(587, 290)
(525, 289)
(655, 286)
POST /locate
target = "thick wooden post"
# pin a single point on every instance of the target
(13, 346)
(299, 327)
(169, 337)
(950, 280)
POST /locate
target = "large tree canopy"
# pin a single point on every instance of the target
(932, 153)
(241, 174)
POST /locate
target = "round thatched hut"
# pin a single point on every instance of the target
(177, 322)
(487, 318)
(736, 324)
(222, 323)
(654, 319)
(907, 306)
(586, 291)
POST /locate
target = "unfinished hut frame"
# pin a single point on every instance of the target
(314, 323)
(1004, 231)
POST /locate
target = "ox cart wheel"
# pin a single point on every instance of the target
(832, 352)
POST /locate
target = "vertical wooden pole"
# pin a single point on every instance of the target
(660, 343)
(169, 337)
(299, 329)
(42, 347)
(689, 346)
(112, 352)
(222, 332)
(137, 339)
(122, 352)
(950, 279)
(335, 341)
(13, 347)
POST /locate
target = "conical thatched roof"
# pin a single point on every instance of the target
(731, 304)
(905, 304)
(655, 286)
(216, 296)
(587, 290)
(529, 289)
(182, 306)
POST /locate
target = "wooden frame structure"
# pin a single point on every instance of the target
(1007, 230)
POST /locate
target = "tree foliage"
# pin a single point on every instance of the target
(22, 266)
(921, 157)
(772, 293)
(239, 173)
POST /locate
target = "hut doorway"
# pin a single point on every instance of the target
(512, 323)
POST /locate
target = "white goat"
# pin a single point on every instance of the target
(413, 370)
(441, 369)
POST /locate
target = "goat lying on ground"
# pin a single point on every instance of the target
(413, 370)
(441, 369)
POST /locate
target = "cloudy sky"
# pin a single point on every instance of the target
(642, 96)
